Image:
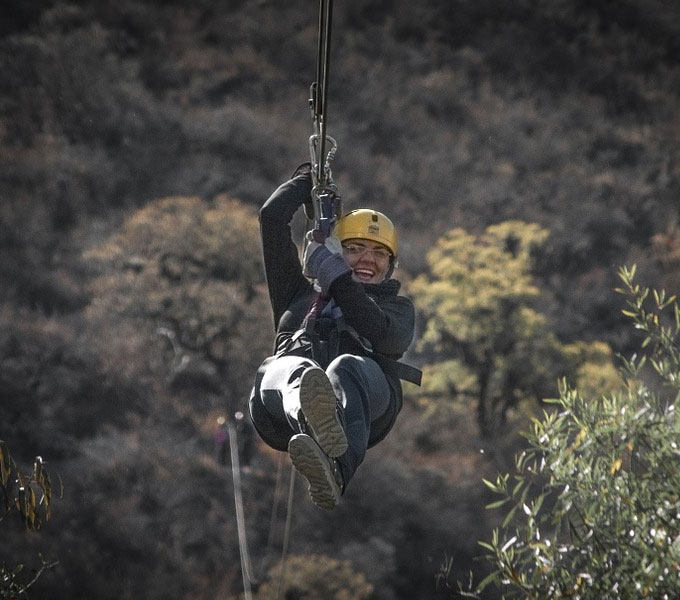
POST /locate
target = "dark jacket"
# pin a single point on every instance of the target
(374, 311)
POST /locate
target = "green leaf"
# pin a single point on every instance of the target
(538, 503)
(484, 583)
(497, 503)
(492, 486)
(509, 516)
(518, 487)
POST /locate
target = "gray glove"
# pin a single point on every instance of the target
(323, 261)
(316, 251)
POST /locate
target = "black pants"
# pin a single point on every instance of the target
(360, 385)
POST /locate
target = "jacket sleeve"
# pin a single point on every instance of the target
(388, 323)
(283, 270)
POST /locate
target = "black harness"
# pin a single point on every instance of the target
(319, 338)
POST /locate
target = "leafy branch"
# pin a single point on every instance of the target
(31, 496)
(593, 510)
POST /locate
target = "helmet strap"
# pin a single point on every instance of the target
(394, 264)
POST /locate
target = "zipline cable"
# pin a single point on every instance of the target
(325, 199)
(275, 511)
(286, 533)
(322, 69)
(246, 569)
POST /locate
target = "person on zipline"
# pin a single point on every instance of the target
(332, 388)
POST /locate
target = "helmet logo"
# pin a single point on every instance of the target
(373, 225)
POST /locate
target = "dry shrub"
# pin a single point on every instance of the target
(53, 389)
(317, 576)
(182, 279)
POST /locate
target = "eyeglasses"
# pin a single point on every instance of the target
(379, 254)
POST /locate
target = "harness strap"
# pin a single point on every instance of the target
(402, 370)
(325, 345)
(324, 348)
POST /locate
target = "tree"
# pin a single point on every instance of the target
(182, 279)
(484, 337)
(593, 509)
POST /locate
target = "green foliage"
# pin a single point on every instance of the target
(487, 340)
(316, 576)
(593, 510)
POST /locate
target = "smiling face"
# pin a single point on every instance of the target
(370, 261)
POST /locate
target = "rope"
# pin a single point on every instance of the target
(286, 534)
(246, 569)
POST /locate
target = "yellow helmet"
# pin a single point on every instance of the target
(367, 224)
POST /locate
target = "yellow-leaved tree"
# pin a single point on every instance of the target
(485, 338)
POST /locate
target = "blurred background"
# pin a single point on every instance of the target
(534, 146)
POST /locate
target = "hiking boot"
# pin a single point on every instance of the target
(320, 409)
(320, 471)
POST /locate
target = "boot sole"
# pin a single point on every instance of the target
(310, 461)
(318, 403)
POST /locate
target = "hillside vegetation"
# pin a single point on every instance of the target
(138, 139)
